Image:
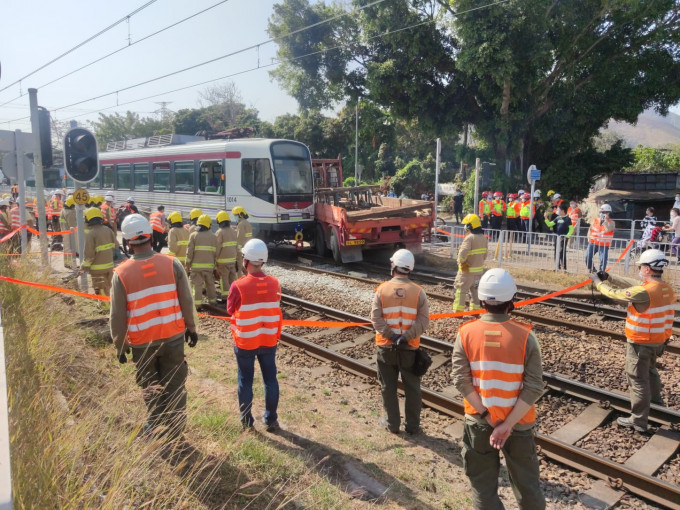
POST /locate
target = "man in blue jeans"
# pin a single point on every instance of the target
(255, 305)
(600, 238)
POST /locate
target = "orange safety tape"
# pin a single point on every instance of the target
(55, 289)
(10, 235)
(62, 233)
(449, 233)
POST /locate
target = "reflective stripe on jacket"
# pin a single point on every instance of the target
(100, 242)
(15, 217)
(156, 222)
(201, 251)
(472, 253)
(484, 207)
(598, 235)
(399, 301)
(55, 206)
(524, 210)
(226, 245)
(513, 209)
(244, 232)
(498, 207)
(655, 324)
(496, 353)
(153, 311)
(574, 214)
(257, 321)
(178, 240)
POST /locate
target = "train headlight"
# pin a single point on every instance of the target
(285, 217)
(305, 216)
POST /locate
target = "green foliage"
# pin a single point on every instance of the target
(654, 160)
(117, 127)
(349, 182)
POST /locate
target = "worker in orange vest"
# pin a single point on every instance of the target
(497, 369)
(649, 326)
(55, 210)
(600, 238)
(400, 314)
(15, 225)
(109, 212)
(575, 214)
(158, 226)
(484, 209)
(254, 303)
(152, 315)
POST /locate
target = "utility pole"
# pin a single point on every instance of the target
(39, 185)
(356, 145)
(478, 169)
(436, 176)
(21, 182)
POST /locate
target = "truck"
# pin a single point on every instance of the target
(351, 220)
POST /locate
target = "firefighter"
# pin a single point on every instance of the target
(484, 209)
(109, 213)
(497, 368)
(244, 232)
(55, 213)
(227, 252)
(158, 226)
(254, 303)
(600, 238)
(498, 208)
(200, 263)
(152, 315)
(4, 219)
(100, 243)
(178, 237)
(649, 326)
(471, 256)
(68, 222)
(399, 314)
(194, 214)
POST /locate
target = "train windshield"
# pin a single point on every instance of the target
(292, 168)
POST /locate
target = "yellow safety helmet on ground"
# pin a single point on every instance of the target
(472, 221)
(238, 210)
(222, 216)
(195, 213)
(70, 202)
(174, 217)
(92, 213)
(204, 221)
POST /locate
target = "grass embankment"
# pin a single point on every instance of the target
(75, 415)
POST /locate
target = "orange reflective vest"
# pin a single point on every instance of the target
(574, 214)
(655, 324)
(56, 206)
(48, 210)
(15, 217)
(598, 236)
(496, 354)
(257, 322)
(153, 311)
(399, 302)
(498, 207)
(107, 213)
(155, 221)
(484, 207)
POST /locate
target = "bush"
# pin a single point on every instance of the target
(349, 182)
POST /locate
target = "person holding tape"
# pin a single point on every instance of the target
(497, 368)
(400, 314)
(471, 256)
(649, 326)
(152, 316)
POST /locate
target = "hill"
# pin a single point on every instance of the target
(651, 130)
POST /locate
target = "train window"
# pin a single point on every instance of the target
(107, 176)
(184, 176)
(292, 168)
(212, 177)
(256, 178)
(123, 177)
(142, 176)
(161, 176)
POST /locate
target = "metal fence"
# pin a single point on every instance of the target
(557, 253)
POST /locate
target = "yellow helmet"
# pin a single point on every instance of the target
(204, 221)
(195, 213)
(92, 213)
(5, 195)
(238, 210)
(174, 217)
(472, 220)
(70, 202)
(98, 200)
(551, 192)
(222, 216)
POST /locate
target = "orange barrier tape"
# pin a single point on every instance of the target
(9, 236)
(55, 289)
(62, 233)
(449, 233)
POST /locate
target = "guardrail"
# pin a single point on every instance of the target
(5, 466)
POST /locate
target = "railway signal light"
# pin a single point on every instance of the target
(80, 155)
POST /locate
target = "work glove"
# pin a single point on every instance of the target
(596, 278)
(191, 337)
(400, 341)
(603, 275)
(122, 358)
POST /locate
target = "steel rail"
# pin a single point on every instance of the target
(647, 487)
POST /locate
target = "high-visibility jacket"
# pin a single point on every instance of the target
(574, 214)
(484, 208)
(472, 253)
(655, 324)
(257, 322)
(4, 224)
(15, 217)
(244, 232)
(153, 310)
(496, 352)
(109, 216)
(178, 241)
(201, 251)
(556, 203)
(226, 246)
(15, 189)
(56, 206)
(498, 207)
(513, 209)
(399, 302)
(156, 221)
(48, 210)
(524, 210)
(598, 235)
(100, 243)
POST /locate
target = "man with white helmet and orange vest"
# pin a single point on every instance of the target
(600, 238)
(471, 257)
(497, 369)
(109, 212)
(152, 315)
(400, 314)
(255, 305)
(158, 226)
(649, 326)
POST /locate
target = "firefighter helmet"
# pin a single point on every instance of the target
(472, 221)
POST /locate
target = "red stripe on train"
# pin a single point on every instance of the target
(295, 205)
(173, 157)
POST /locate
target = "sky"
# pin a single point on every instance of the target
(56, 27)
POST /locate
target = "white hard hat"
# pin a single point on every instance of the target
(403, 259)
(109, 197)
(135, 226)
(130, 199)
(537, 194)
(521, 192)
(538, 191)
(255, 251)
(654, 259)
(605, 208)
(4, 201)
(556, 196)
(496, 286)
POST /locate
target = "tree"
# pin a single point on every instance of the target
(116, 127)
(654, 160)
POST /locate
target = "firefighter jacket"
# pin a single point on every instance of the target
(601, 233)
(178, 240)
(244, 232)
(651, 307)
(472, 253)
(15, 217)
(498, 207)
(68, 219)
(226, 246)
(4, 223)
(156, 221)
(100, 243)
(399, 308)
(499, 359)
(201, 251)
(257, 319)
(151, 301)
(109, 214)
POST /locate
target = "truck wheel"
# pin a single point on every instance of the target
(320, 242)
(335, 248)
